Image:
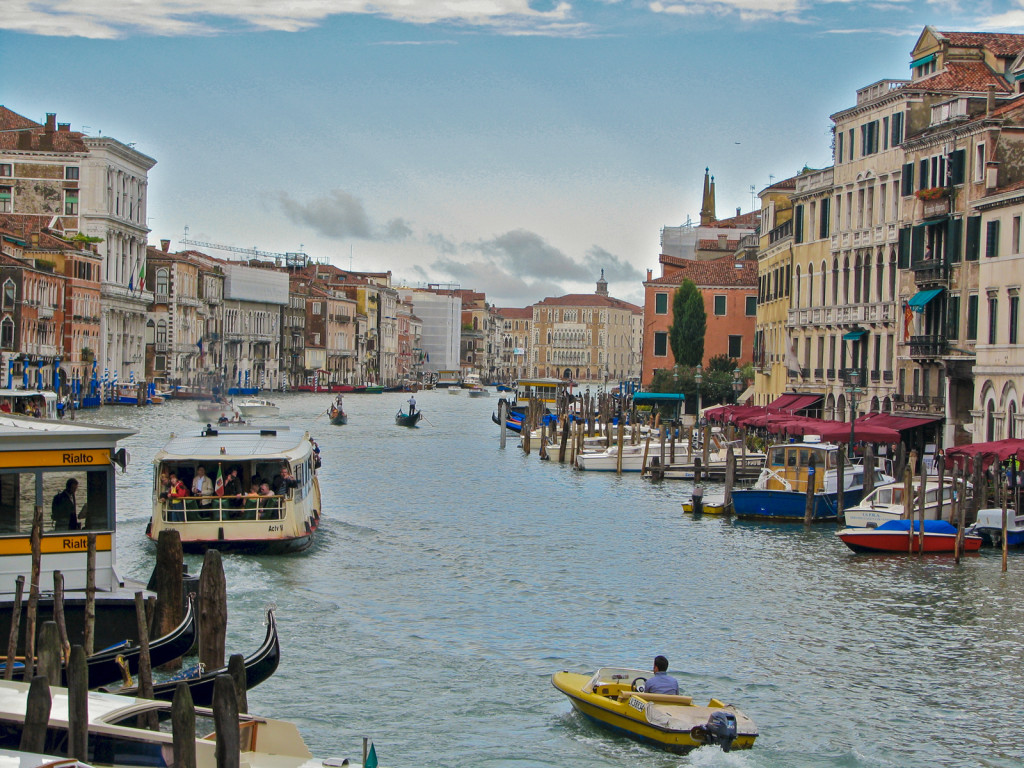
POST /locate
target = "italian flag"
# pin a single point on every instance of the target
(219, 487)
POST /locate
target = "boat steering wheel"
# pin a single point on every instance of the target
(639, 684)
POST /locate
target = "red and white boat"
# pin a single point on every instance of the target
(900, 536)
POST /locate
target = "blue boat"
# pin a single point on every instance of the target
(990, 527)
(780, 493)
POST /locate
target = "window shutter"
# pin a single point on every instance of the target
(907, 180)
(904, 248)
(924, 175)
(825, 216)
(973, 243)
(954, 233)
(992, 239)
(956, 167)
(798, 224)
(917, 243)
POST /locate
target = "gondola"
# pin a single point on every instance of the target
(338, 416)
(404, 419)
(258, 667)
(104, 668)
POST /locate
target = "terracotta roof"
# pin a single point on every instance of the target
(1001, 44)
(516, 313)
(749, 220)
(961, 76)
(586, 300)
(725, 272)
(11, 133)
(1008, 106)
(24, 225)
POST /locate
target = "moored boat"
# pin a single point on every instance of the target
(257, 406)
(780, 492)
(614, 698)
(886, 503)
(280, 517)
(989, 526)
(905, 536)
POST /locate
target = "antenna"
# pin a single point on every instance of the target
(753, 189)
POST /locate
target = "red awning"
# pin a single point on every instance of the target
(1003, 449)
(791, 402)
(899, 423)
(839, 432)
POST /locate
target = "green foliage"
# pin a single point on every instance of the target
(83, 238)
(689, 323)
(723, 363)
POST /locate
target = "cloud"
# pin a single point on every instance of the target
(746, 9)
(340, 215)
(615, 269)
(527, 253)
(1002, 22)
(107, 19)
(501, 286)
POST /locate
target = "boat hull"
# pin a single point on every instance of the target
(405, 420)
(765, 504)
(873, 540)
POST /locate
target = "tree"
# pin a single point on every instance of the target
(723, 363)
(689, 322)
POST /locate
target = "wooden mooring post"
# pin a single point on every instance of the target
(58, 615)
(12, 639)
(730, 477)
(236, 668)
(145, 665)
(183, 727)
(213, 611)
(908, 503)
(168, 575)
(33, 593)
(225, 719)
(841, 484)
(921, 502)
(90, 595)
(809, 500)
(78, 705)
(37, 716)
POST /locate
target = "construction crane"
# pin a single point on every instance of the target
(292, 259)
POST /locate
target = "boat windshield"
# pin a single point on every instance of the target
(157, 717)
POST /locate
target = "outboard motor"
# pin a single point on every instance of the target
(719, 729)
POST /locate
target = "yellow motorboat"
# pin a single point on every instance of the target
(714, 505)
(614, 698)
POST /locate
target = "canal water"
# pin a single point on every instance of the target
(451, 578)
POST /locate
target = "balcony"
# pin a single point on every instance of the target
(161, 346)
(929, 273)
(876, 376)
(923, 347)
(830, 374)
(843, 314)
(819, 373)
(44, 313)
(924, 403)
(887, 377)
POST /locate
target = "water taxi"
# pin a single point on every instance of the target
(274, 508)
(29, 402)
(67, 471)
(614, 698)
(257, 406)
(780, 492)
(888, 503)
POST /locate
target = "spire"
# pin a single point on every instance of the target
(602, 285)
(707, 204)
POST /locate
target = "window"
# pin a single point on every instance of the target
(979, 163)
(953, 321)
(1014, 317)
(161, 332)
(798, 224)
(660, 344)
(6, 204)
(70, 202)
(720, 305)
(6, 169)
(972, 317)
(6, 333)
(71, 172)
(869, 138)
(897, 129)
(751, 306)
(992, 239)
(735, 346)
(317, 307)
(661, 303)
(993, 317)
(10, 294)
(1015, 236)
(163, 283)
(885, 133)
(823, 229)
(839, 147)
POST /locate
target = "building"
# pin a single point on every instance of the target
(253, 301)
(516, 325)
(588, 338)
(729, 288)
(439, 308)
(713, 237)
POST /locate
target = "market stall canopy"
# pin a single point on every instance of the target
(864, 431)
(899, 423)
(998, 449)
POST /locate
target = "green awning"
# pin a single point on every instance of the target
(658, 397)
(854, 335)
(922, 61)
(923, 297)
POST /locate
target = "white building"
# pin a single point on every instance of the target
(441, 313)
(253, 300)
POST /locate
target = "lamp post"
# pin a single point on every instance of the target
(698, 376)
(737, 384)
(853, 376)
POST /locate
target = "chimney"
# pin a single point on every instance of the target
(165, 245)
(648, 275)
(990, 100)
(722, 241)
(51, 122)
(737, 210)
(63, 127)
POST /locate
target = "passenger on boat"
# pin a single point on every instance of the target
(232, 485)
(661, 681)
(202, 486)
(412, 404)
(316, 453)
(5, 407)
(176, 495)
(63, 507)
(284, 482)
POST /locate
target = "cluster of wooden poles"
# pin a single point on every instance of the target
(50, 654)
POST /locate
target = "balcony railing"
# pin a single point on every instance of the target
(928, 346)
(929, 271)
(875, 377)
(887, 377)
(843, 314)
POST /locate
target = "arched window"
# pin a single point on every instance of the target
(150, 331)
(161, 332)
(1011, 420)
(810, 284)
(866, 274)
(163, 282)
(6, 333)
(856, 281)
(879, 274)
(846, 280)
(886, 405)
(796, 288)
(835, 281)
(10, 294)
(990, 421)
(874, 405)
(824, 274)
(892, 275)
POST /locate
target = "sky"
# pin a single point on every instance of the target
(514, 147)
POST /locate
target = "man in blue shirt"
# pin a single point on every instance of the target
(660, 681)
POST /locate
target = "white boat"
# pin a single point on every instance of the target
(606, 460)
(257, 406)
(211, 413)
(479, 391)
(119, 736)
(990, 527)
(886, 503)
(272, 523)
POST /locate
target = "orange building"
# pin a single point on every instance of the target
(729, 287)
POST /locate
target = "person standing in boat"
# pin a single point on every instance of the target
(202, 486)
(412, 404)
(661, 681)
(63, 509)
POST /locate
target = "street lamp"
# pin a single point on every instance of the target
(853, 376)
(737, 384)
(698, 377)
